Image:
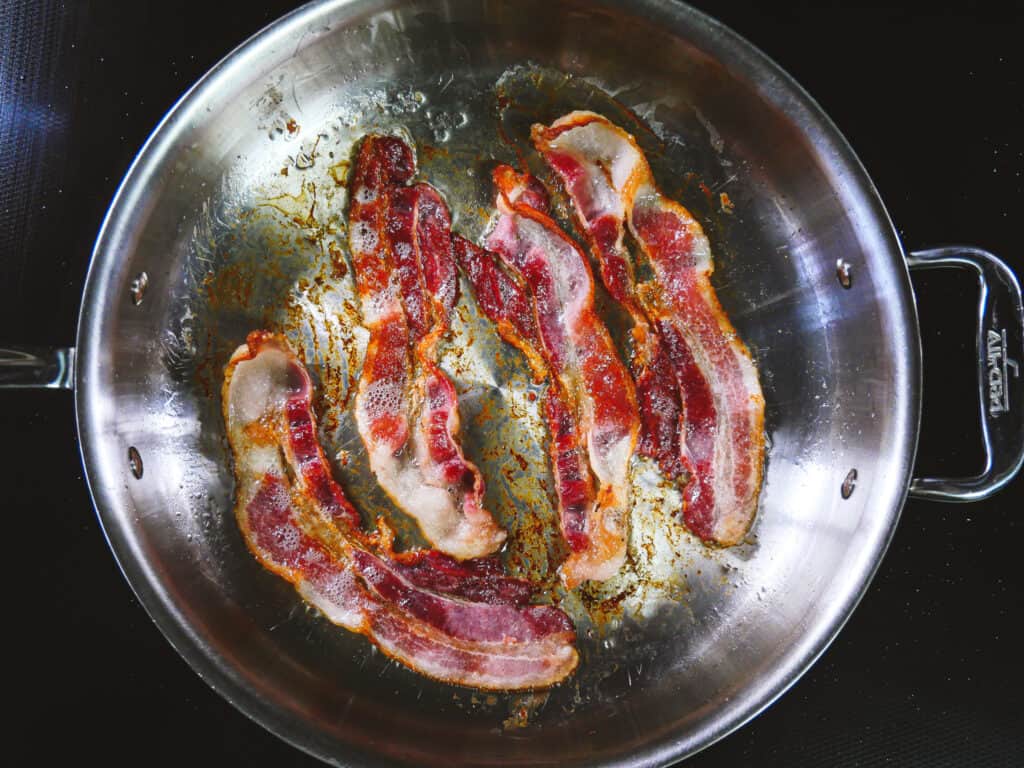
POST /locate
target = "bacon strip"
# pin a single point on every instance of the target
(462, 623)
(610, 182)
(506, 300)
(419, 234)
(406, 401)
(594, 404)
(602, 218)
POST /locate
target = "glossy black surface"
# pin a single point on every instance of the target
(928, 671)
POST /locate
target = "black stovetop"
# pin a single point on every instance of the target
(928, 672)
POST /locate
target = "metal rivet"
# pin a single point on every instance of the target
(138, 288)
(135, 462)
(849, 484)
(844, 272)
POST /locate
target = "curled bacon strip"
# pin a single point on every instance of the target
(506, 300)
(602, 218)
(610, 182)
(419, 234)
(406, 408)
(463, 623)
(592, 403)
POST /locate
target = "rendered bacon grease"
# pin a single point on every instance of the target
(459, 622)
(406, 408)
(611, 186)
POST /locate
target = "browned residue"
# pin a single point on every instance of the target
(706, 191)
(727, 204)
(338, 266)
(429, 152)
(519, 718)
(299, 208)
(231, 287)
(339, 172)
(522, 462)
(504, 102)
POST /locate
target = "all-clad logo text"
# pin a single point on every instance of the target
(999, 366)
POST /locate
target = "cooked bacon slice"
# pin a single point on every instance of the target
(463, 623)
(595, 404)
(419, 234)
(381, 403)
(509, 304)
(608, 177)
(406, 408)
(602, 218)
(505, 300)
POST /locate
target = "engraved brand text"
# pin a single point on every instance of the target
(999, 366)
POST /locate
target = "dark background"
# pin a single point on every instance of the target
(928, 672)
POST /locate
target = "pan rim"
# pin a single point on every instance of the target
(777, 87)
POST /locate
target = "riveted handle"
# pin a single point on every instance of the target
(37, 368)
(1000, 355)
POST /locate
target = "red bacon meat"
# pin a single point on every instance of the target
(591, 407)
(459, 622)
(506, 300)
(722, 439)
(406, 408)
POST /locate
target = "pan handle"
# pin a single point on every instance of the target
(1000, 356)
(37, 368)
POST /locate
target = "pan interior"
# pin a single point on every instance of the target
(235, 212)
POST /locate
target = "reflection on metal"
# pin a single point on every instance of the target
(844, 273)
(138, 288)
(135, 462)
(849, 483)
(1000, 402)
(37, 368)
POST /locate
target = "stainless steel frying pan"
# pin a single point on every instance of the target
(231, 218)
